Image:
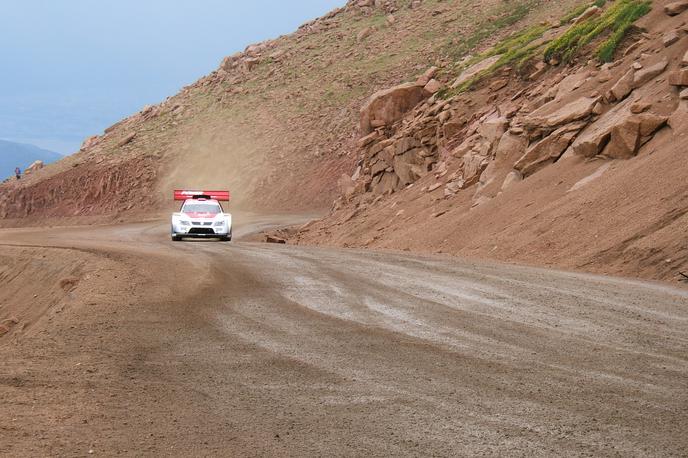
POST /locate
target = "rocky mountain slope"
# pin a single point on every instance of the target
(276, 123)
(546, 132)
(558, 158)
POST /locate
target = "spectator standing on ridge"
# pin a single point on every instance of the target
(17, 172)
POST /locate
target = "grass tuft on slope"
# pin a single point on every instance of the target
(615, 21)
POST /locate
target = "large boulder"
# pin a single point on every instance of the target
(493, 128)
(648, 73)
(510, 147)
(595, 137)
(618, 134)
(409, 166)
(249, 63)
(633, 79)
(670, 37)
(474, 70)
(35, 165)
(385, 183)
(622, 87)
(679, 78)
(675, 8)
(627, 137)
(554, 114)
(548, 150)
(378, 166)
(390, 105)
(570, 84)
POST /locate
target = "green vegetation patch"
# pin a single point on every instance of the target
(517, 49)
(486, 29)
(615, 21)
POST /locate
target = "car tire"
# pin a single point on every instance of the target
(176, 238)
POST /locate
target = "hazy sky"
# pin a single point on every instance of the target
(70, 68)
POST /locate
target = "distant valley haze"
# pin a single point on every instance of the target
(72, 68)
(22, 155)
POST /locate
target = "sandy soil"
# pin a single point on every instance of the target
(126, 343)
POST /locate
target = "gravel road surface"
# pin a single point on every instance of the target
(123, 342)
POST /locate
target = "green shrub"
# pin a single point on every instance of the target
(616, 21)
(519, 48)
(607, 49)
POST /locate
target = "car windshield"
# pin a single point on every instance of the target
(213, 209)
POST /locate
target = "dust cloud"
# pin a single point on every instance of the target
(220, 158)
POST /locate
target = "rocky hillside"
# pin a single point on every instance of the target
(562, 145)
(276, 123)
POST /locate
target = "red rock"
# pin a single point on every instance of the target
(675, 8)
(433, 86)
(391, 105)
(547, 150)
(513, 177)
(368, 139)
(385, 183)
(640, 107)
(679, 78)
(555, 114)
(645, 75)
(475, 69)
(623, 87)
(670, 38)
(624, 141)
(269, 238)
(408, 166)
(126, 140)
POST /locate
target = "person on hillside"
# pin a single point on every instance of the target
(17, 173)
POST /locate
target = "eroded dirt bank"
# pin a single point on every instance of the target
(641, 236)
(251, 349)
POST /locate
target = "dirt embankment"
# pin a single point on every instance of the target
(38, 283)
(579, 166)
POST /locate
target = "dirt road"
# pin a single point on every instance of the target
(119, 341)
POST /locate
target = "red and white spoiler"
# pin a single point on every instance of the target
(222, 196)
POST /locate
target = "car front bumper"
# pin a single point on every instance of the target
(201, 231)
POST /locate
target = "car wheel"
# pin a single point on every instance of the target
(176, 238)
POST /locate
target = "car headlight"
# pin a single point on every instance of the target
(219, 223)
(185, 223)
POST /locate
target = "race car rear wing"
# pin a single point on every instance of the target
(222, 196)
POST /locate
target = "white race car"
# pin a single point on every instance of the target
(201, 215)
